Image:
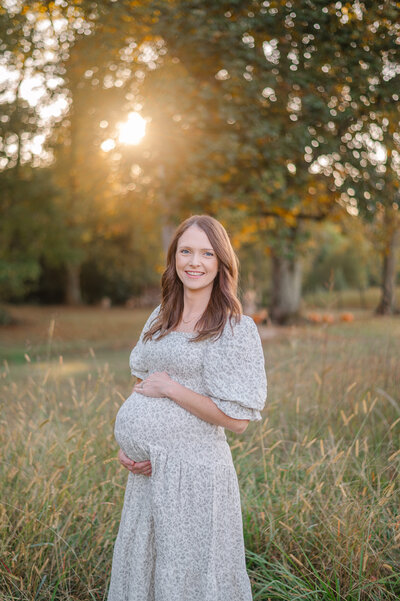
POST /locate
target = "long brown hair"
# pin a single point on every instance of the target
(223, 301)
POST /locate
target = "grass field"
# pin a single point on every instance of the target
(319, 476)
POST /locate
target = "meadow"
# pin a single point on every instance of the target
(319, 476)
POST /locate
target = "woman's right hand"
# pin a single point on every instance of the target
(136, 467)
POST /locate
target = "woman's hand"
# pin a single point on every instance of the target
(136, 467)
(156, 385)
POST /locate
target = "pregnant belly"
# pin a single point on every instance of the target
(142, 421)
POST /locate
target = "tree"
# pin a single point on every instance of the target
(373, 193)
(27, 215)
(254, 111)
(265, 99)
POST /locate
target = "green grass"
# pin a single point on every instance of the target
(319, 476)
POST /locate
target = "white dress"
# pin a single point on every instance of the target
(181, 533)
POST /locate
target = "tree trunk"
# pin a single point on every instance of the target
(167, 229)
(388, 287)
(286, 293)
(73, 294)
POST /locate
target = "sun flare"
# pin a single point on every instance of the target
(133, 130)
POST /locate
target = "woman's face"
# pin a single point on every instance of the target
(196, 260)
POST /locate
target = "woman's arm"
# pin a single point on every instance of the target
(202, 406)
(161, 385)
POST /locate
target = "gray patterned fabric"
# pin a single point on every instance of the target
(181, 535)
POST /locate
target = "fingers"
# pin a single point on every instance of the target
(142, 464)
(139, 467)
(142, 467)
(136, 467)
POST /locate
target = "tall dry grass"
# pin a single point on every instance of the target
(319, 475)
(61, 489)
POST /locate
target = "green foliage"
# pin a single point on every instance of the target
(127, 262)
(29, 223)
(263, 88)
(342, 259)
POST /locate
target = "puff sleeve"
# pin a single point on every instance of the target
(137, 359)
(234, 371)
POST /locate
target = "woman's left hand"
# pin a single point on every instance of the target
(156, 385)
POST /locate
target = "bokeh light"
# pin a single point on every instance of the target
(133, 130)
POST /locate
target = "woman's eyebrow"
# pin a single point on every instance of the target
(186, 246)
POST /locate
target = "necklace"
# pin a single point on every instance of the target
(189, 320)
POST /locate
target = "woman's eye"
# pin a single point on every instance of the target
(184, 251)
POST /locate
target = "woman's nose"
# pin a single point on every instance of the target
(194, 260)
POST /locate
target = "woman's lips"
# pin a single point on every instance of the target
(193, 276)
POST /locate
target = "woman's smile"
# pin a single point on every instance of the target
(194, 274)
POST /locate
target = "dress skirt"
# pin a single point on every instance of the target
(180, 537)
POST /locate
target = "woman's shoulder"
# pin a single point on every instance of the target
(244, 326)
(243, 323)
(239, 341)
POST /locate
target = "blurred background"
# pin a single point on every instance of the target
(119, 119)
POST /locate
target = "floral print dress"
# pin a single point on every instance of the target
(181, 533)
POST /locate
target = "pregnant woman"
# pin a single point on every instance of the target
(200, 369)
